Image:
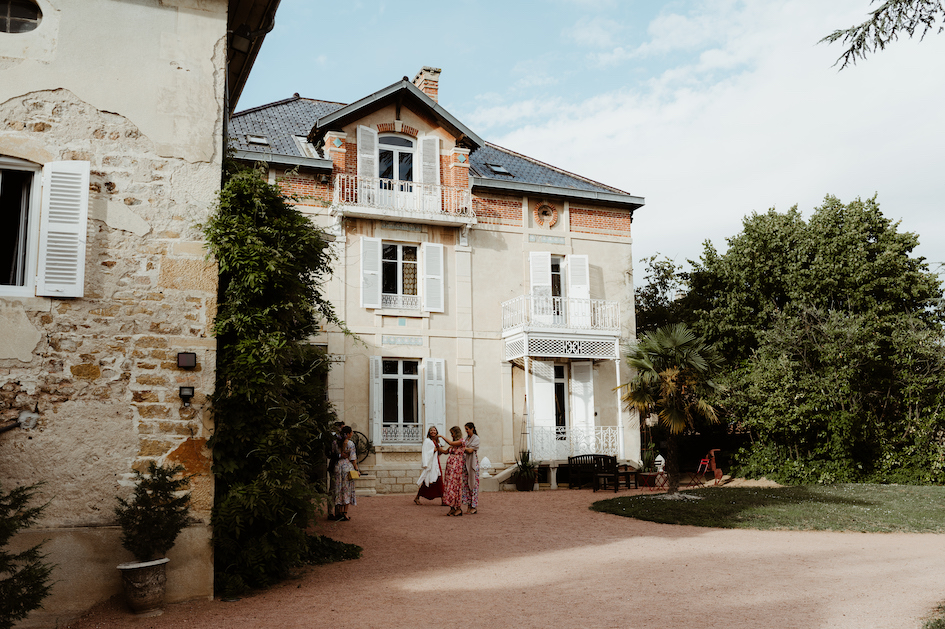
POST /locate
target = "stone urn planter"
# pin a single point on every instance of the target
(151, 520)
(144, 583)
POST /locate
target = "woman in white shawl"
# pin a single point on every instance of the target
(431, 476)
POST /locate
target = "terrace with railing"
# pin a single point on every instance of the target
(539, 312)
(372, 197)
(556, 443)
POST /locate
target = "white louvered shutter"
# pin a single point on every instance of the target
(582, 397)
(430, 173)
(539, 264)
(543, 391)
(579, 292)
(434, 394)
(376, 395)
(63, 229)
(367, 166)
(434, 299)
(370, 272)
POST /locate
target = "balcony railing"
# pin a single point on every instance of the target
(556, 443)
(404, 197)
(402, 433)
(534, 311)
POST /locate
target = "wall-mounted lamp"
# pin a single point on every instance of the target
(185, 394)
(186, 360)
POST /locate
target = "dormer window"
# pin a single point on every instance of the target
(499, 169)
(19, 16)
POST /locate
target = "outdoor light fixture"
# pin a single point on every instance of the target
(186, 360)
(185, 394)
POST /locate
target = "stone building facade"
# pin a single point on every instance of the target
(483, 285)
(111, 136)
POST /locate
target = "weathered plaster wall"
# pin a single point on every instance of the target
(136, 89)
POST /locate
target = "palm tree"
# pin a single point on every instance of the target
(673, 377)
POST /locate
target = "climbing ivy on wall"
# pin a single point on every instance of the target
(270, 407)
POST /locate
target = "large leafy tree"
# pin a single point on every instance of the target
(270, 408)
(835, 343)
(673, 377)
(884, 25)
(656, 301)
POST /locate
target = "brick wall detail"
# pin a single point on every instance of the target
(498, 210)
(594, 221)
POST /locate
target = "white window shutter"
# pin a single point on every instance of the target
(434, 299)
(579, 292)
(542, 303)
(370, 272)
(539, 263)
(434, 394)
(543, 390)
(430, 172)
(582, 396)
(367, 166)
(376, 394)
(367, 152)
(63, 229)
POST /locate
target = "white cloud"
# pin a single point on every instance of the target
(759, 119)
(597, 32)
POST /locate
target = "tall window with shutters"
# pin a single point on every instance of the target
(43, 224)
(404, 276)
(396, 405)
(398, 172)
(560, 290)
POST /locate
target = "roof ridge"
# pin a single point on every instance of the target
(556, 169)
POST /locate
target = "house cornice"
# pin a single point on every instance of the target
(274, 159)
(624, 201)
(394, 93)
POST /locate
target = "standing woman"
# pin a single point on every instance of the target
(431, 481)
(344, 484)
(455, 470)
(471, 486)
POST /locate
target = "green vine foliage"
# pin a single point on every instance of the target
(24, 577)
(270, 406)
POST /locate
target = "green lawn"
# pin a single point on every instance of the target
(864, 508)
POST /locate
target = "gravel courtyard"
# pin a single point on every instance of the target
(542, 559)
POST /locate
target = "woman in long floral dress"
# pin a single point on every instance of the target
(455, 476)
(471, 486)
(344, 484)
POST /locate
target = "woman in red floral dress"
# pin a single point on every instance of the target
(454, 478)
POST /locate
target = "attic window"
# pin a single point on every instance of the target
(19, 16)
(499, 169)
(257, 139)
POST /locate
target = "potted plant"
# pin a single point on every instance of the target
(526, 471)
(150, 522)
(648, 457)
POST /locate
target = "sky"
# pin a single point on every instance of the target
(710, 110)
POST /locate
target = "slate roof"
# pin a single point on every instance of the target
(279, 122)
(296, 116)
(523, 169)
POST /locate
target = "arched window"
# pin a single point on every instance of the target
(19, 16)
(395, 158)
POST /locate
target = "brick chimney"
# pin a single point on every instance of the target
(428, 80)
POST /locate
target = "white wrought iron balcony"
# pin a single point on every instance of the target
(556, 443)
(409, 201)
(532, 312)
